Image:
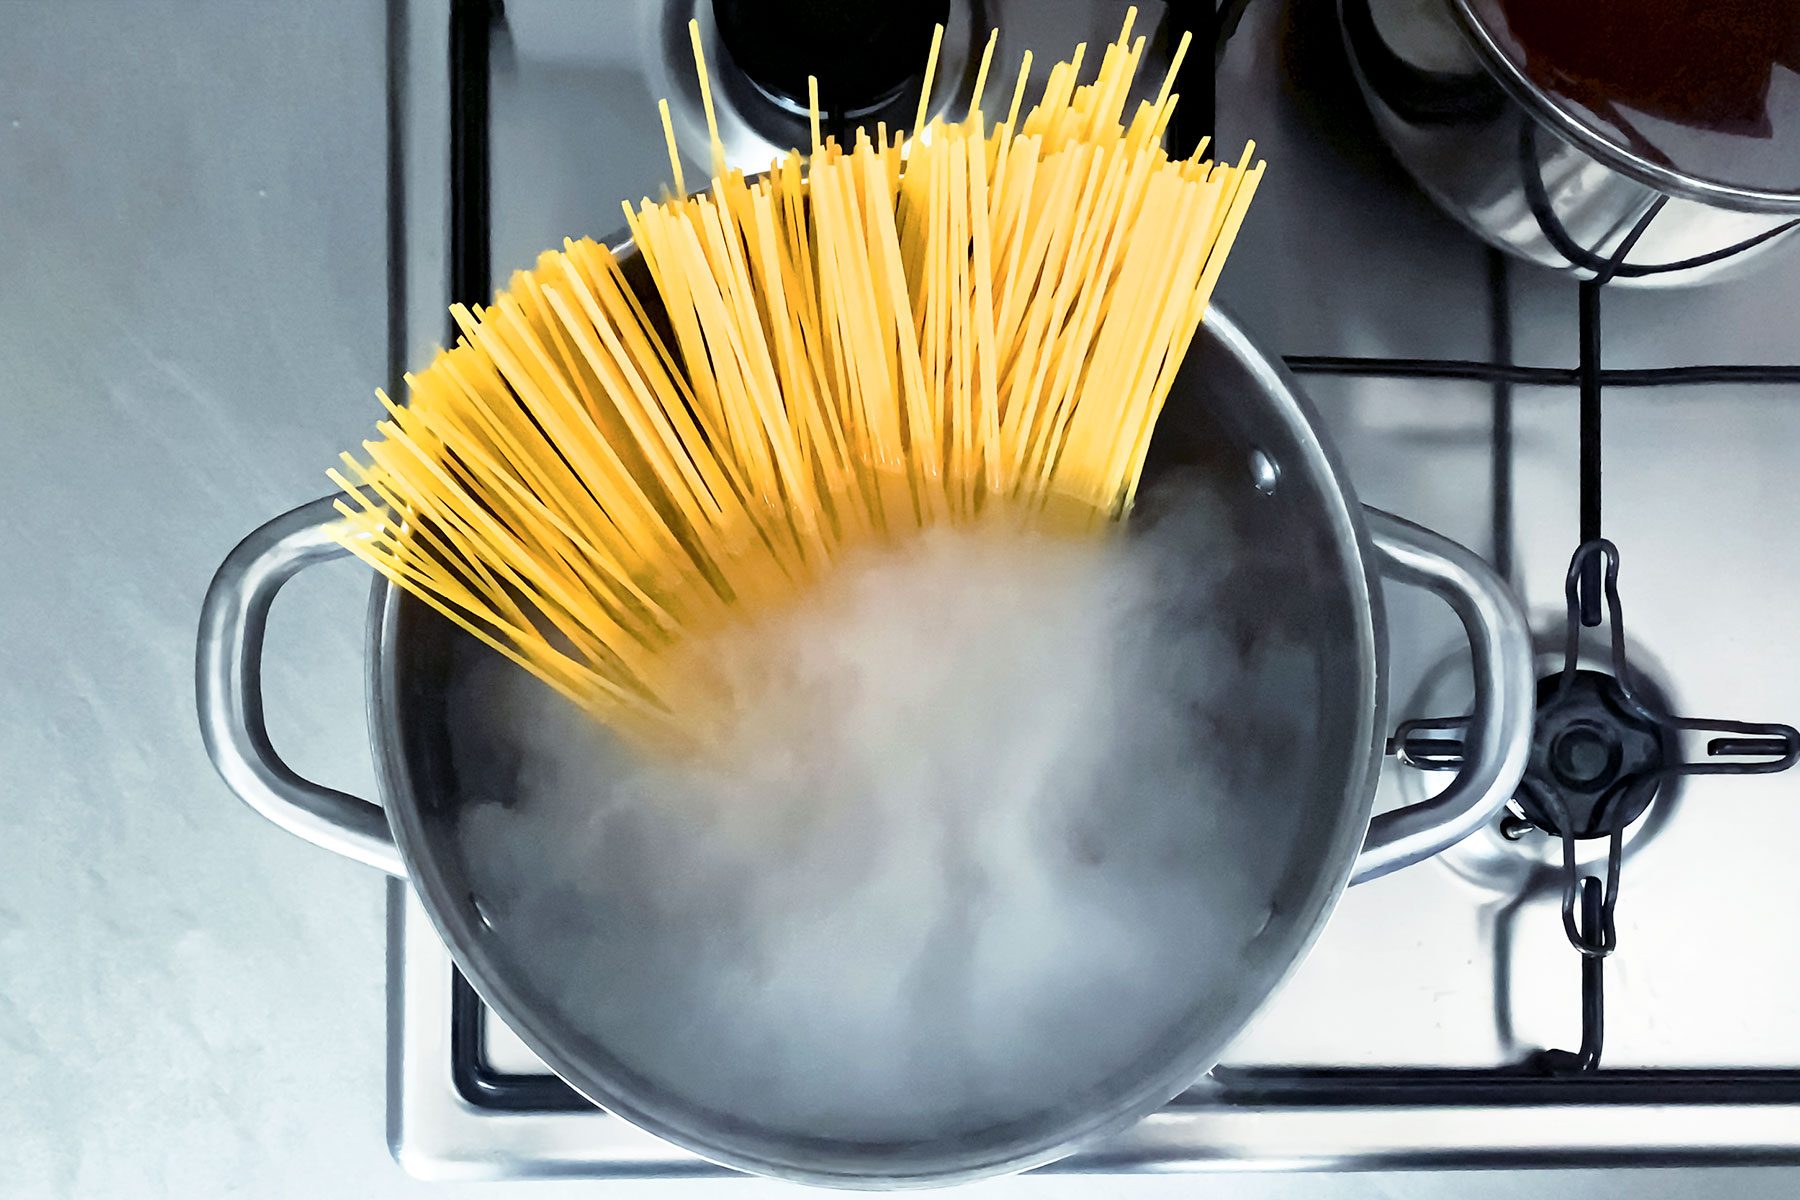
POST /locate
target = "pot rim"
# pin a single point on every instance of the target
(1563, 122)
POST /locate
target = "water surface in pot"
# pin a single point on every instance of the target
(984, 820)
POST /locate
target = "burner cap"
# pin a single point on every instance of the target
(864, 55)
(1596, 752)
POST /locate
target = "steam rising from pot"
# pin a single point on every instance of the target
(974, 841)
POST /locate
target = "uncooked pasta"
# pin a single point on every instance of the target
(976, 322)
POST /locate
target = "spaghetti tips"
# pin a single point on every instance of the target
(624, 452)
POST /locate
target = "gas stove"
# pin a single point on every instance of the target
(1516, 1001)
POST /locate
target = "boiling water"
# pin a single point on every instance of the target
(971, 847)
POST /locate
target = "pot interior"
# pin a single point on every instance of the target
(567, 948)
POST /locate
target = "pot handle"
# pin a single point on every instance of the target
(228, 690)
(1499, 738)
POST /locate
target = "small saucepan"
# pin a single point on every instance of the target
(1650, 144)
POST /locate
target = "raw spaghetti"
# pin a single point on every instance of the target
(979, 322)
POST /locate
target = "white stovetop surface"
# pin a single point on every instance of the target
(191, 244)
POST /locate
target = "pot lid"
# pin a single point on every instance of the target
(1696, 96)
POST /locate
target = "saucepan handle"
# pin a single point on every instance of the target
(1499, 736)
(228, 688)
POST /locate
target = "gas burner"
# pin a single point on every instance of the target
(1521, 852)
(1597, 756)
(1604, 742)
(869, 61)
(865, 57)
(1601, 750)
(1601, 806)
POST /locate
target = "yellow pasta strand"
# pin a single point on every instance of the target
(980, 322)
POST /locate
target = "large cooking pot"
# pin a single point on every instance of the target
(1668, 150)
(1306, 747)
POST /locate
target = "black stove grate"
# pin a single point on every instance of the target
(1768, 748)
(1551, 1077)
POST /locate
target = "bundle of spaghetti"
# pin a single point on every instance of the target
(979, 322)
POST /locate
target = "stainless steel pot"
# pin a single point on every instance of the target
(1525, 172)
(1236, 424)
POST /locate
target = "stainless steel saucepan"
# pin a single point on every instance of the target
(1307, 752)
(1573, 179)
